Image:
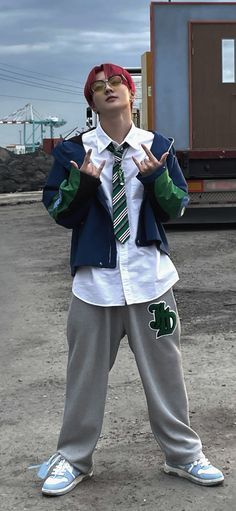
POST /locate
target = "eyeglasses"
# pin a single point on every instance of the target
(113, 81)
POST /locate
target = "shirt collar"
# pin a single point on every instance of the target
(103, 140)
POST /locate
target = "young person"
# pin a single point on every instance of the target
(114, 186)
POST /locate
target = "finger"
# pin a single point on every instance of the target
(137, 163)
(148, 152)
(164, 157)
(74, 164)
(87, 156)
(147, 162)
(100, 168)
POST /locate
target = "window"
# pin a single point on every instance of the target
(228, 60)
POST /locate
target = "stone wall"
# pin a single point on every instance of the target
(23, 172)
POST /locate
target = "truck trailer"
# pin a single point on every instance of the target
(189, 93)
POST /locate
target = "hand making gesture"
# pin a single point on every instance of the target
(149, 164)
(88, 167)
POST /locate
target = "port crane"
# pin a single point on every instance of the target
(34, 125)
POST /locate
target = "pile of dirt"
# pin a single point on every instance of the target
(23, 172)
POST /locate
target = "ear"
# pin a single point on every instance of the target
(94, 109)
(132, 96)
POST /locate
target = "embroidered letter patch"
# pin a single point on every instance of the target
(164, 319)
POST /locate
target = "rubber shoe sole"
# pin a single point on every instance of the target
(62, 491)
(174, 471)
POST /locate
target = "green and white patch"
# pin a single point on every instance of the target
(164, 321)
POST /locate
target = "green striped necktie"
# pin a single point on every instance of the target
(120, 211)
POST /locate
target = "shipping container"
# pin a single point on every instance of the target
(189, 89)
(50, 143)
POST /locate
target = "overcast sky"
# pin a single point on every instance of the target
(54, 44)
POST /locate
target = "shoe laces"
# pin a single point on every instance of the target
(45, 467)
(61, 467)
(202, 461)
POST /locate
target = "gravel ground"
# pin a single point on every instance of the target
(35, 292)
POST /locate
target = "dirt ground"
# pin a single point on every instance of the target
(34, 294)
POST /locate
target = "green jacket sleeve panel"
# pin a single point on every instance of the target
(171, 198)
(73, 192)
(67, 191)
(166, 189)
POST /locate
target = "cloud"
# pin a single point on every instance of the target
(93, 40)
(18, 49)
(64, 40)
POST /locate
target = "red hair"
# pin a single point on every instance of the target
(109, 70)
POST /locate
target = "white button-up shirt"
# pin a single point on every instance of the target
(142, 273)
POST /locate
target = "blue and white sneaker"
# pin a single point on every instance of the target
(199, 472)
(63, 476)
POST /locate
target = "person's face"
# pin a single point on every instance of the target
(113, 95)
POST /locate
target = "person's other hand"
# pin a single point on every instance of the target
(88, 167)
(150, 164)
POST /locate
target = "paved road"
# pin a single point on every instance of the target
(10, 199)
(34, 294)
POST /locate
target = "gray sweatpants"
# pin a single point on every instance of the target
(94, 335)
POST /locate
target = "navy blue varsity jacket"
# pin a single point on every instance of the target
(76, 201)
